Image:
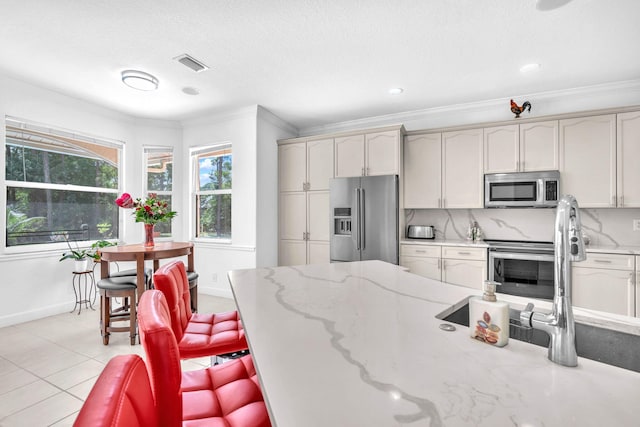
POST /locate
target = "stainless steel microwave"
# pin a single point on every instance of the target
(522, 189)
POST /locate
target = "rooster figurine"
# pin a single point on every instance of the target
(518, 110)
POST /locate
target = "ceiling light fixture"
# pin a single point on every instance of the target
(396, 91)
(190, 90)
(529, 68)
(550, 4)
(139, 80)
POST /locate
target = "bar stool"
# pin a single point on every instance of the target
(192, 277)
(118, 287)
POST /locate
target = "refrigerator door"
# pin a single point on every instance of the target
(379, 218)
(344, 214)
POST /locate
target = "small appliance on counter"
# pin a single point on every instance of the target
(421, 232)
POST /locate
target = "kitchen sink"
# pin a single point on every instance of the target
(600, 344)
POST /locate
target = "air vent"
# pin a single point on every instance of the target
(191, 63)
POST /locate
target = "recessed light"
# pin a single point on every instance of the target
(396, 91)
(139, 80)
(528, 68)
(190, 90)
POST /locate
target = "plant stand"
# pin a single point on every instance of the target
(84, 280)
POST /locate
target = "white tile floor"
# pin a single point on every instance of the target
(48, 366)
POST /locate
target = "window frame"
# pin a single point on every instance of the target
(146, 149)
(194, 153)
(56, 132)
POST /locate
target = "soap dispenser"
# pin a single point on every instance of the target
(488, 317)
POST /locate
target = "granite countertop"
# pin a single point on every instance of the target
(358, 344)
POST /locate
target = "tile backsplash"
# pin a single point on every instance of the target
(605, 227)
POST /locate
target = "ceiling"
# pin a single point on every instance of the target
(314, 62)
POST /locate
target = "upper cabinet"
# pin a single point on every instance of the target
(305, 166)
(422, 171)
(628, 146)
(588, 160)
(368, 154)
(462, 171)
(521, 148)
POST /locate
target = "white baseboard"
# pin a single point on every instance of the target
(27, 316)
(216, 292)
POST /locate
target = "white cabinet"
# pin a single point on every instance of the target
(422, 260)
(521, 148)
(464, 266)
(422, 171)
(304, 238)
(588, 160)
(637, 286)
(304, 171)
(462, 169)
(605, 282)
(628, 169)
(376, 153)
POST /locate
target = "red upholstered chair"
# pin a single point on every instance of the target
(226, 395)
(198, 334)
(121, 397)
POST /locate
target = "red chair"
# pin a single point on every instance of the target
(223, 395)
(198, 334)
(121, 397)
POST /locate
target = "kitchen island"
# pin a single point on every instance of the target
(359, 344)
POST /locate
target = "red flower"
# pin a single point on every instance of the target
(125, 201)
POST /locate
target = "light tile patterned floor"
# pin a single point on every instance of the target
(48, 366)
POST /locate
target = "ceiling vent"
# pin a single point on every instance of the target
(191, 63)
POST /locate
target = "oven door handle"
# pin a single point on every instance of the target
(523, 256)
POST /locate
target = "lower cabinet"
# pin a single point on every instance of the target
(458, 265)
(605, 282)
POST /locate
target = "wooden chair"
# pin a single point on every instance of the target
(118, 287)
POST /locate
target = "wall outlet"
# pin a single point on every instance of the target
(636, 225)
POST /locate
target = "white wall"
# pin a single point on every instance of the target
(35, 285)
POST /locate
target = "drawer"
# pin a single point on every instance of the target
(608, 261)
(420, 250)
(461, 252)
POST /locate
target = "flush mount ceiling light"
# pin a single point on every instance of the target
(190, 90)
(139, 80)
(529, 68)
(396, 91)
(550, 4)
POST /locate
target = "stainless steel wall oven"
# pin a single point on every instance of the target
(524, 268)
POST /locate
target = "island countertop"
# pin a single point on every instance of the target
(358, 344)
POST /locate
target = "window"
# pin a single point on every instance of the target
(60, 185)
(159, 180)
(212, 168)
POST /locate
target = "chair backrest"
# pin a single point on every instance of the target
(172, 280)
(163, 356)
(121, 397)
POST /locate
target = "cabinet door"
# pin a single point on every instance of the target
(539, 146)
(292, 252)
(318, 252)
(293, 221)
(628, 160)
(422, 171)
(462, 178)
(637, 286)
(319, 164)
(318, 215)
(611, 291)
(349, 159)
(292, 166)
(382, 153)
(471, 274)
(501, 149)
(425, 267)
(588, 160)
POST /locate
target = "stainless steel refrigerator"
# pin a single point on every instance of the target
(364, 218)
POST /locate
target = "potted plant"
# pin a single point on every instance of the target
(79, 256)
(96, 246)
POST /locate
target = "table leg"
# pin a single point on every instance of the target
(140, 282)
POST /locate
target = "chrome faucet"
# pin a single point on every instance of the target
(559, 324)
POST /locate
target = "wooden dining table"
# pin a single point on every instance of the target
(139, 253)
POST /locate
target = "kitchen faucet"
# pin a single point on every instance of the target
(559, 324)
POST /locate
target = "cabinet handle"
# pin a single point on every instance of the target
(439, 201)
(367, 171)
(362, 172)
(439, 261)
(420, 251)
(613, 201)
(464, 253)
(603, 261)
(621, 201)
